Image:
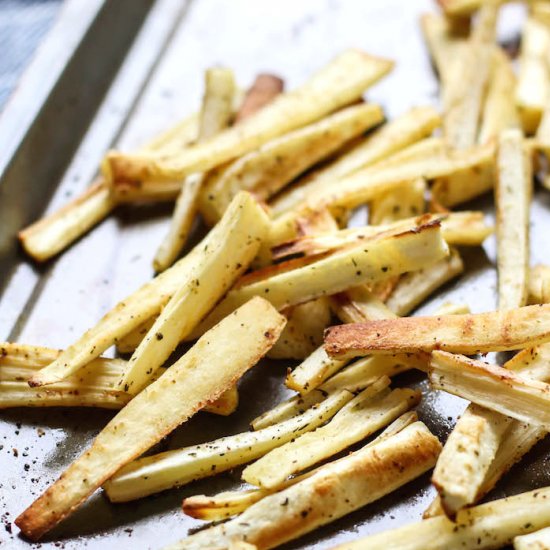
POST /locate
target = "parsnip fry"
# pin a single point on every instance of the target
(539, 285)
(346, 485)
(152, 474)
(393, 136)
(52, 234)
(227, 251)
(267, 170)
(340, 83)
(513, 192)
(226, 403)
(337, 272)
(391, 207)
(466, 457)
(354, 377)
(499, 109)
(95, 385)
(213, 365)
(231, 503)
(413, 288)
(488, 526)
(457, 228)
(216, 114)
(358, 304)
(533, 88)
(469, 334)
(464, 103)
(264, 88)
(493, 387)
(361, 417)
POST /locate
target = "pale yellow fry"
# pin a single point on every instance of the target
(390, 207)
(360, 418)
(539, 540)
(210, 367)
(358, 304)
(468, 334)
(395, 135)
(216, 114)
(227, 251)
(345, 485)
(539, 284)
(491, 386)
(155, 473)
(488, 526)
(340, 83)
(337, 272)
(513, 192)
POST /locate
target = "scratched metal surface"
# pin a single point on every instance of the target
(53, 304)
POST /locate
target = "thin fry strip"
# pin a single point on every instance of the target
(513, 192)
(337, 272)
(468, 334)
(493, 387)
(360, 418)
(395, 135)
(216, 114)
(349, 74)
(155, 473)
(228, 250)
(488, 526)
(346, 485)
(214, 364)
(231, 503)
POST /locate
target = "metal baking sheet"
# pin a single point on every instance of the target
(52, 304)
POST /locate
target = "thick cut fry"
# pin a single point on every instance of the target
(513, 192)
(468, 334)
(216, 114)
(212, 366)
(345, 485)
(391, 207)
(457, 228)
(52, 234)
(393, 136)
(413, 288)
(360, 418)
(499, 109)
(539, 540)
(464, 103)
(264, 88)
(358, 305)
(466, 457)
(267, 170)
(533, 88)
(231, 503)
(539, 285)
(488, 526)
(354, 377)
(337, 272)
(95, 385)
(303, 332)
(340, 83)
(140, 306)
(228, 250)
(152, 474)
(491, 386)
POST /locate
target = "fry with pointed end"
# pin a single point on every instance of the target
(345, 485)
(468, 334)
(210, 367)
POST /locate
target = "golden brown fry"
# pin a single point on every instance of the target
(493, 387)
(213, 365)
(340, 83)
(513, 192)
(468, 334)
(346, 485)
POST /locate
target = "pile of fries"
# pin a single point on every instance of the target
(277, 176)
